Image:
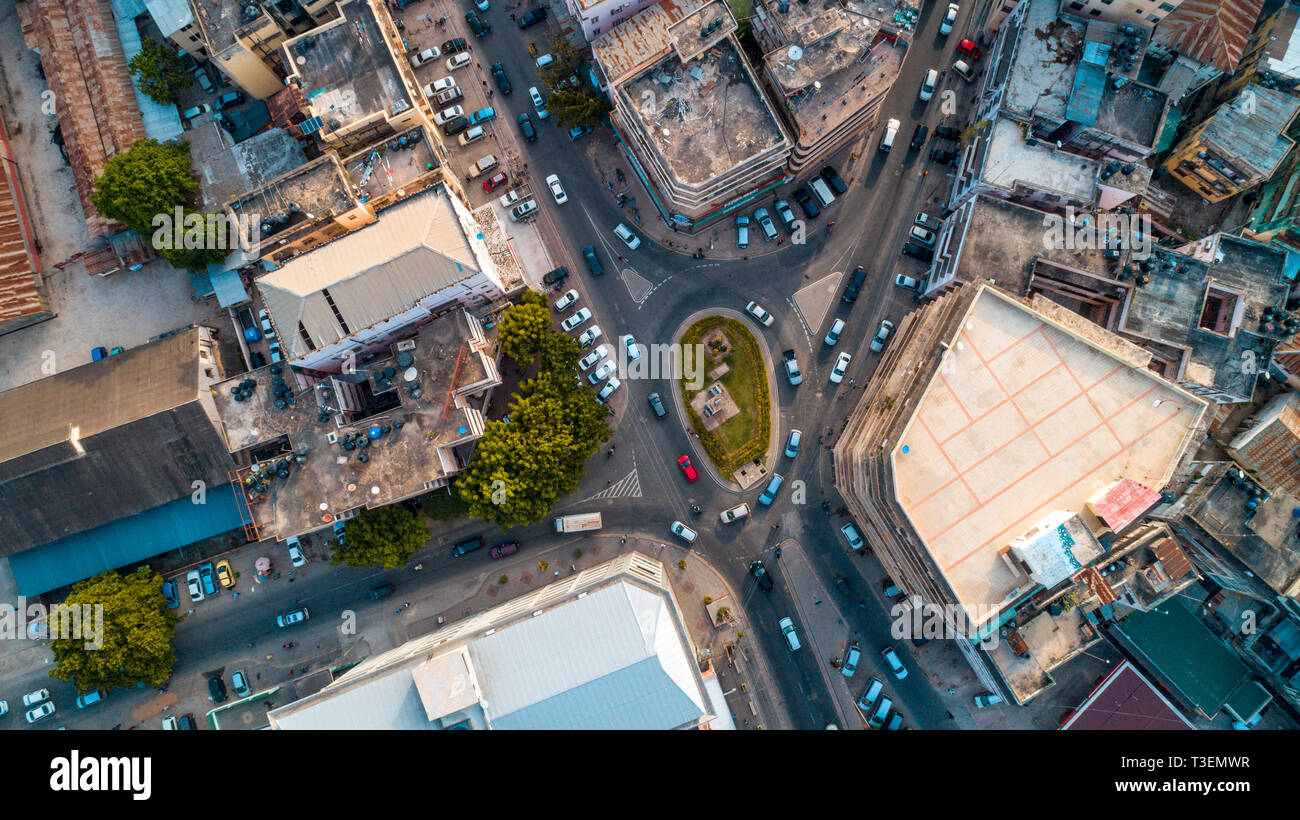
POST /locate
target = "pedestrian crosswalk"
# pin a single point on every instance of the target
(629, 486)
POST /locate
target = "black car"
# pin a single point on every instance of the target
(381, 591)
(593, 261)
(499, 74)
(187, 722)
(454, 127)
(228, 99)
(760, 575)
(833, 179)
(855, 285)
(805, 202)
(946, 132)
(258, 359)
(842, 584)
(918, 252)
(479, 27)
(468, 545)
(918, 138)
(532, 18)
(526, 126)
(556, 276)
(943, 157)
(454, 46)
(217, 688)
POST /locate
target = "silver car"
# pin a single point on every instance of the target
(603, 372)
(583, 315)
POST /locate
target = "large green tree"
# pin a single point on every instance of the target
(577, 107)
(137, 630)
(385, 536)
(565, 63)
(525, 326)
(159, 72)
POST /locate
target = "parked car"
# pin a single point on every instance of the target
(943, 157)
(918, 138)
(947, 132)
(949, 20)
(784, 214)
(920, 235)
(805, 202)
(850, 663)
(759, 572)
(916, 251)
(682, 531)
(296, 555)
(791, 637)
(225, 575)
(962, 69)
(892, 590)
(882, 711)
(854, 287)
(882, 336)
(36, 696)
(608, 390)
(761, 316)
(446, 115)
(169, 722)
(926, 221)
(895, 665)
(625, 233)
(40, 712)
(987, 699)
(833, 335)
(454, 45)
(531, 17)
(478, 27)
(495, 181)
(764, 220)
(217, 689)
(296, 616)
(852, 536)
(169, 594)
(869, 695)
(208, 577)
(656, 405)
(566, 301)
(591, 334)
(467, 545)
(968, 48)
(426, 56)
(205, 82)
(523, 210)
(239, 682)
(906, 282)
(265, 321)
(538, 102)
(499, 77)
(832, 178)
(557, 190)
(579, 316)
(593, 261)
(447, 96)
(841, 367)
(195, 589)
(228, 100)
(578, 132)
(607, 368)
(891, 132)
(928, 83)
(98, 353)
(742, 231)
(482, 115)
(526, 127)
(196, 111)
(688, 469)
(187, 722)
(556, 276)
(631, 347)
(734, 513)
(895, 721)
(503, 549)
(792, 443)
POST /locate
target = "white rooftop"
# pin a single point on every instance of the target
(1010, 161)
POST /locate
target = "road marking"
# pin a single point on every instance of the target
(629, 486)
(638, 287)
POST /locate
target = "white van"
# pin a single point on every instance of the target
(471, 135)
(545, 60)
(787, 627)
(891, 131)
(484, 165)
(822, 191)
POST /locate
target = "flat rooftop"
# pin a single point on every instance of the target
(377, 170)
(1132, 112)
(706, 116)
(220, 19)
(643, 38)
(347, 70)
(1011, 161)
(228, 170)
(316, 188)
(1028, 419)
(1047, 57)
(1266, 543)
(398, 464)
(1051, 641)
(1001, 239)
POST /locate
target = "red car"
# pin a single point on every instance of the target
(494, 182)
(502, 550)
(970, 49)
(687, 467)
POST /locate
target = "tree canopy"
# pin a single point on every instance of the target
(159, 72)
(525, 326)
(385, 536)
(137, 630)
(577, 107)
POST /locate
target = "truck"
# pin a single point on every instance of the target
(578, 522)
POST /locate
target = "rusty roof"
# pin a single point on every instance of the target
(641, 39)
(22, 296)
(1210, 31)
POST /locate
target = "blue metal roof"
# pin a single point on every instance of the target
(228, 286)
(1085, 96)
(124, 542)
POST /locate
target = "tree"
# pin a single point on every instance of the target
(565, 63)
(524, 327)
(159, 72)
(577, 107)
(212, 249)
(147, 179)
(135, 642)
(385, 537)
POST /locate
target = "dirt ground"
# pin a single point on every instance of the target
(123, 309)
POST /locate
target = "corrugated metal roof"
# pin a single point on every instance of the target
(1085, 96)
(161, 122)
(415, 249)
(1251, 127)
(1210, 31)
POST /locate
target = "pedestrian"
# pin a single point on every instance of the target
(853, 381)
(839, 621)
(489, 93)
(609, 483)
(817, 601)
(862, 604)
(268, 657)
(406, 604)
(512, 15)
(191, 612)
(952, 691)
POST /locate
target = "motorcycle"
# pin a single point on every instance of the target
(618, 174)
(695, 509)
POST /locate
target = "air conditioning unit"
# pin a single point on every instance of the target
(409, 344)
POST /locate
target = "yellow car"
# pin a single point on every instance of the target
(225, 574)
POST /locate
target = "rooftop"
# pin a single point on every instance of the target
(1039, 166)
(346, 69)
(1281, 53)
(1033, 649)
(1210, 31)
(377, 170)
(1252, 126)
(644, 38)
(1030, 418)
(334, 478)
(314, 189)
(1126, 701)
(227, 170)
(605, 649)
(1048, 53)
(23, 300)
(1266, 542)
(220, 19)
(706, 116)
(419, 247)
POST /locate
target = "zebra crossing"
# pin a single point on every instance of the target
(629, 486)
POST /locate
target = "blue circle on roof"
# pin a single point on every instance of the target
(374, 432)
(905, 448)
(462, 429)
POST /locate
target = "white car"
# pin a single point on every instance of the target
(906, 282)
(593, 357)
(603, 372)
(426, 56)
(895, 665)
(508, 199)
(589, 335)
(625, 233)
(949, 19)
(792, 371)
(446, 115)
(538, 102)
(833, 335)
(35, 697)
(841, 366)
(791, 637)
(761, 316)
(267, 331)
(439, 85)
(925, 237)
(557, 190)
(633, 350)
(930, 80)
(566, 301)
(196, 590)
(882, 336)
(296, 555)
(686, 533)
(481, 5)
(576, 319)
(851, 534)
(459, 61)
(170, 722)
(608, 389)
(736, 512)
(42, 711)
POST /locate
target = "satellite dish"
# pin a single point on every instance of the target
(795, 53)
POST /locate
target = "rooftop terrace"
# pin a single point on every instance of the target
(1047, 56)
(220, 19)
(1266, 543)
(378, 170)
(706, 116)
(346, 69)
(227, 171)
(1029, 418)
(641, 39)
(449, 359)
(315, 189)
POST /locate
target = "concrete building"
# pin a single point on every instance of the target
(110, 460)
(689, 113)
(1146, 13)
(1269, 446)
(1239, 146)
(1126, 701)
(604, 649)
(1211, 33)
(829, 66)
(1272, 55)
(983, 449)
(595, 17)
(24, 298)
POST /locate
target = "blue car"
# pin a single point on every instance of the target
(207, 576)
(593, 261)
(169, 594)
(769, 492)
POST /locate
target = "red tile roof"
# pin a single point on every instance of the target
(1210, 31)
(1126, 701)
(22, 293)
(1123, 503)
